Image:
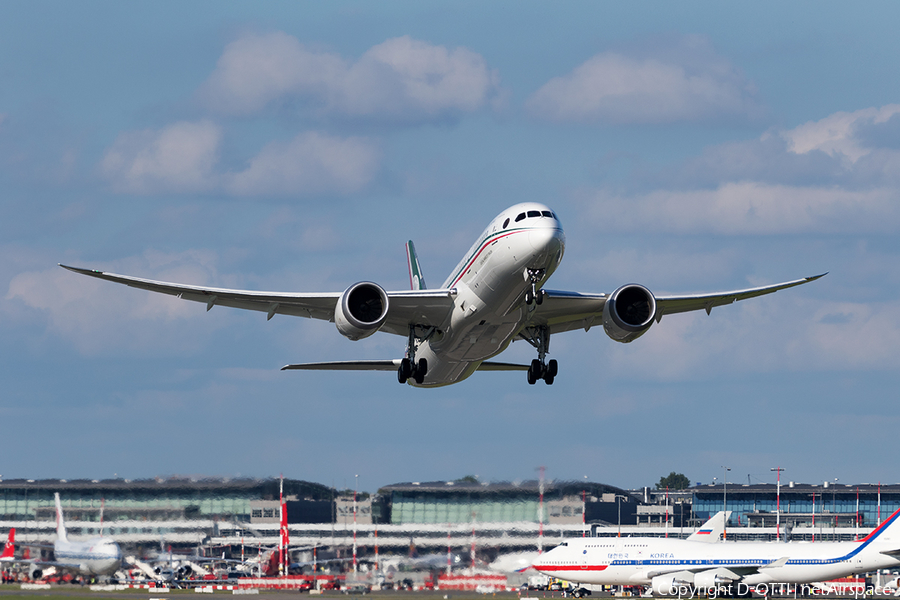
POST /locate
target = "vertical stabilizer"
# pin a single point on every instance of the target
(712, 530)
(416, 281)
(10, 549)
(60, 524)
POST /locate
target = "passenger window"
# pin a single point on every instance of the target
(520, 217)
(534, 213)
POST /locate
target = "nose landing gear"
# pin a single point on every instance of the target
(535, 295)
(539, 337)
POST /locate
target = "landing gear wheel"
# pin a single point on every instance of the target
(421, 370)
(529, 297)
(404, 371)
(531, 378)
(539, 298)
(552, 368)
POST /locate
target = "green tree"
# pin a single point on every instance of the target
(674, 481)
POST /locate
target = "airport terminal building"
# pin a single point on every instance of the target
(224, 512)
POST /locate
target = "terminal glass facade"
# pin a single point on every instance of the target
(746, 505)
(419, 508)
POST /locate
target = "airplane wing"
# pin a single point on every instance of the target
(566, 311)
(420, 307)
(731, 572)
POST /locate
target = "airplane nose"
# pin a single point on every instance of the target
(546, 239)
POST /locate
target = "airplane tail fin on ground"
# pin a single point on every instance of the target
(10, 548)
(888, 531)
(60, 524)
(416, 280)
(712, 530)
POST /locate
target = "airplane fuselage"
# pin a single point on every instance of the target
(97, 556)
(629, 561)
(491, 282)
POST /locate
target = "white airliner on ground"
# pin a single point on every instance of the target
(494, 296)
(94, 557)
(517, 562)
(667, 564)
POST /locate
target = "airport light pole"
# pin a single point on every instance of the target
(584, 506)
(778, 504)
(619, 497)
(834, 510)
(355, 492)
(814, 517)
(725, 501)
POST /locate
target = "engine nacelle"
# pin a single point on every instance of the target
(629, 312)
(35, 572)
(711, 579)
(672, 584)
(361, 310)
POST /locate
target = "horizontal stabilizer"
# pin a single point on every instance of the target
(386, 365)
(501, 366)
(346, 365)
(895, 553)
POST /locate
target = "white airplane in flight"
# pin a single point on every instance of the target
(94, 557)
(494, 296)
(668, 564)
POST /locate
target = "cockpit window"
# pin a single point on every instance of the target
(505, 223)
(547, 213)
(534, 213)
(520, 217)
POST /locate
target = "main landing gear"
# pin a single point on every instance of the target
(409, 367)
(534, 295)
(539, 337)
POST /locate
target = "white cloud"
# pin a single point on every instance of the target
(184, 158)
(311, 163)
(840, 174)
(693, 84)
(401, 79)
(748, 208)
(837, 134)
(787, 332)
(179, 158)
(98, 317)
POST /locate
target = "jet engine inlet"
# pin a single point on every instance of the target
(629, 313)
(361, 310)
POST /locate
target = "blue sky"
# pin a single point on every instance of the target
(690, 147)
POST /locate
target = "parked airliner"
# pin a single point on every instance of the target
(494, 296)
(94, 557)
(518, 562)
(667, 564)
